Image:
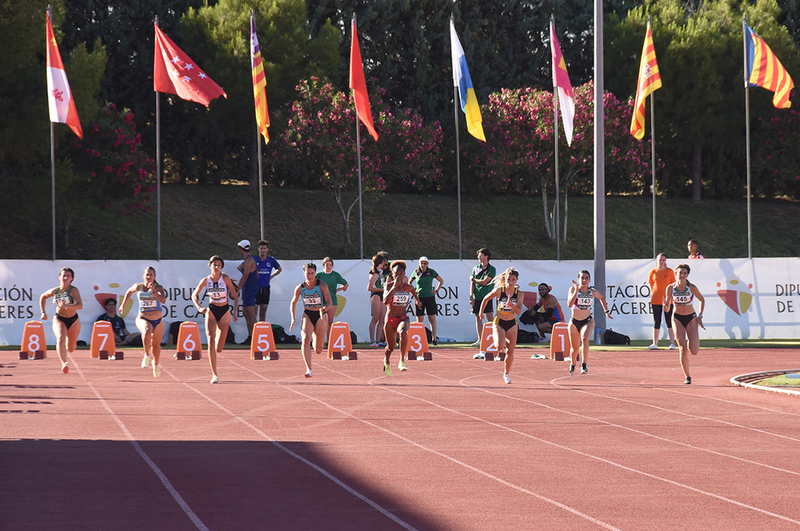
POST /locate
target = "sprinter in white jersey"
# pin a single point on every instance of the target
(218, 287)
(681, 295)
(581, 300)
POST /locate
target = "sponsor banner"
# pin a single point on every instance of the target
(758, 298)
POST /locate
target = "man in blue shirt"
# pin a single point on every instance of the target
(267, 268)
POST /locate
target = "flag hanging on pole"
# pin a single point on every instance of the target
(566, 96)
(259, 81)
(359, 85)
(175, 73)
(764, 70)
(461, 79)
(649, 81)
(59, 96)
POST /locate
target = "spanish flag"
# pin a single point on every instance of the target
(762, 69)
(461, 79)
(649, 81)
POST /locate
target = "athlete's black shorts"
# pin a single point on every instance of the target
(262, 297)
(428, 305)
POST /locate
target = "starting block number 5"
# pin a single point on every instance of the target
(263, 343)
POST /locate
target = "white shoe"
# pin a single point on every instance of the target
(479, 356)
(672, 346)
(507, 378)
(402, 366)
(653, 347)
(156, 371)
(308, 373)
(215, 379)
(146, 361)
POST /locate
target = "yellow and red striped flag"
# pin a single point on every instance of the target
(59, 96)
(649, 81)
(764, 70)
(259, 81)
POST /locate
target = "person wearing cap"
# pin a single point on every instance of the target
(423, 276)
(548, 310)
(267, 268)
(248, 287)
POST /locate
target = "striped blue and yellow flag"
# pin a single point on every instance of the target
(764, 70)
(259, 81)
(461, 79)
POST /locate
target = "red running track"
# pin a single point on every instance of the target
(444, 446)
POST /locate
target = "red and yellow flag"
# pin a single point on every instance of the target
(764, 70)
(59, 96)
(259, 81)
(649, 81)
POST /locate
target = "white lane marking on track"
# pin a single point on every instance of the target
(146, 458)
(431, 450)
(681, 413)
(305, 461)
(607, 461)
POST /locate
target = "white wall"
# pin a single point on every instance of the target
(758, 298)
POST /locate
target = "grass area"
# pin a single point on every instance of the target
(199, 221)
(779, 381)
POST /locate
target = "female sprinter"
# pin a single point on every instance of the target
(397, 295)
(151, 296)
(316, 300)
(377, 277)
(681, 295)
(581, 300)
(219, 287)
(67, 324)
(504, 326)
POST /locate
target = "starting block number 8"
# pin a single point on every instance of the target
(33, 340)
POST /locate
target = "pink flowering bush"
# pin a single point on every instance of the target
(519, 154)
(120, 172)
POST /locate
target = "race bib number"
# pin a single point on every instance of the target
(149, 303)
(218, 294)
(312, 300)
(401, 298)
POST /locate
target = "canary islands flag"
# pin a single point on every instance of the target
(762, 69)
(461, 79)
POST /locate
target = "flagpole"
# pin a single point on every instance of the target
(360, 207)
(53, 161)
(555, 136)
(599, 171)
(458, 166)
(158, 169)
(260, 181)
(747, 133)
(653, 163)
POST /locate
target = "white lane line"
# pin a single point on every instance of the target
(305, 461)
(427, 449)
(154, 467)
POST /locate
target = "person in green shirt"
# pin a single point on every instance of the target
(333, 280)
(480, 285)
(423, 276)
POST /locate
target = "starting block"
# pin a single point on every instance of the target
(102, 340)
(188, 341)
(263, 342)
(34, 346)
(559, 341)
(418, 343)
(340, 346)
(487, 344)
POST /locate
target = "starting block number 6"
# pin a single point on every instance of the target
(189, 344)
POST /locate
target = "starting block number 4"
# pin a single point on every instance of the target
(418, 342)
(33, 343)
(339, 344)
(262, 345)
(559, 341)
(189, 344)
